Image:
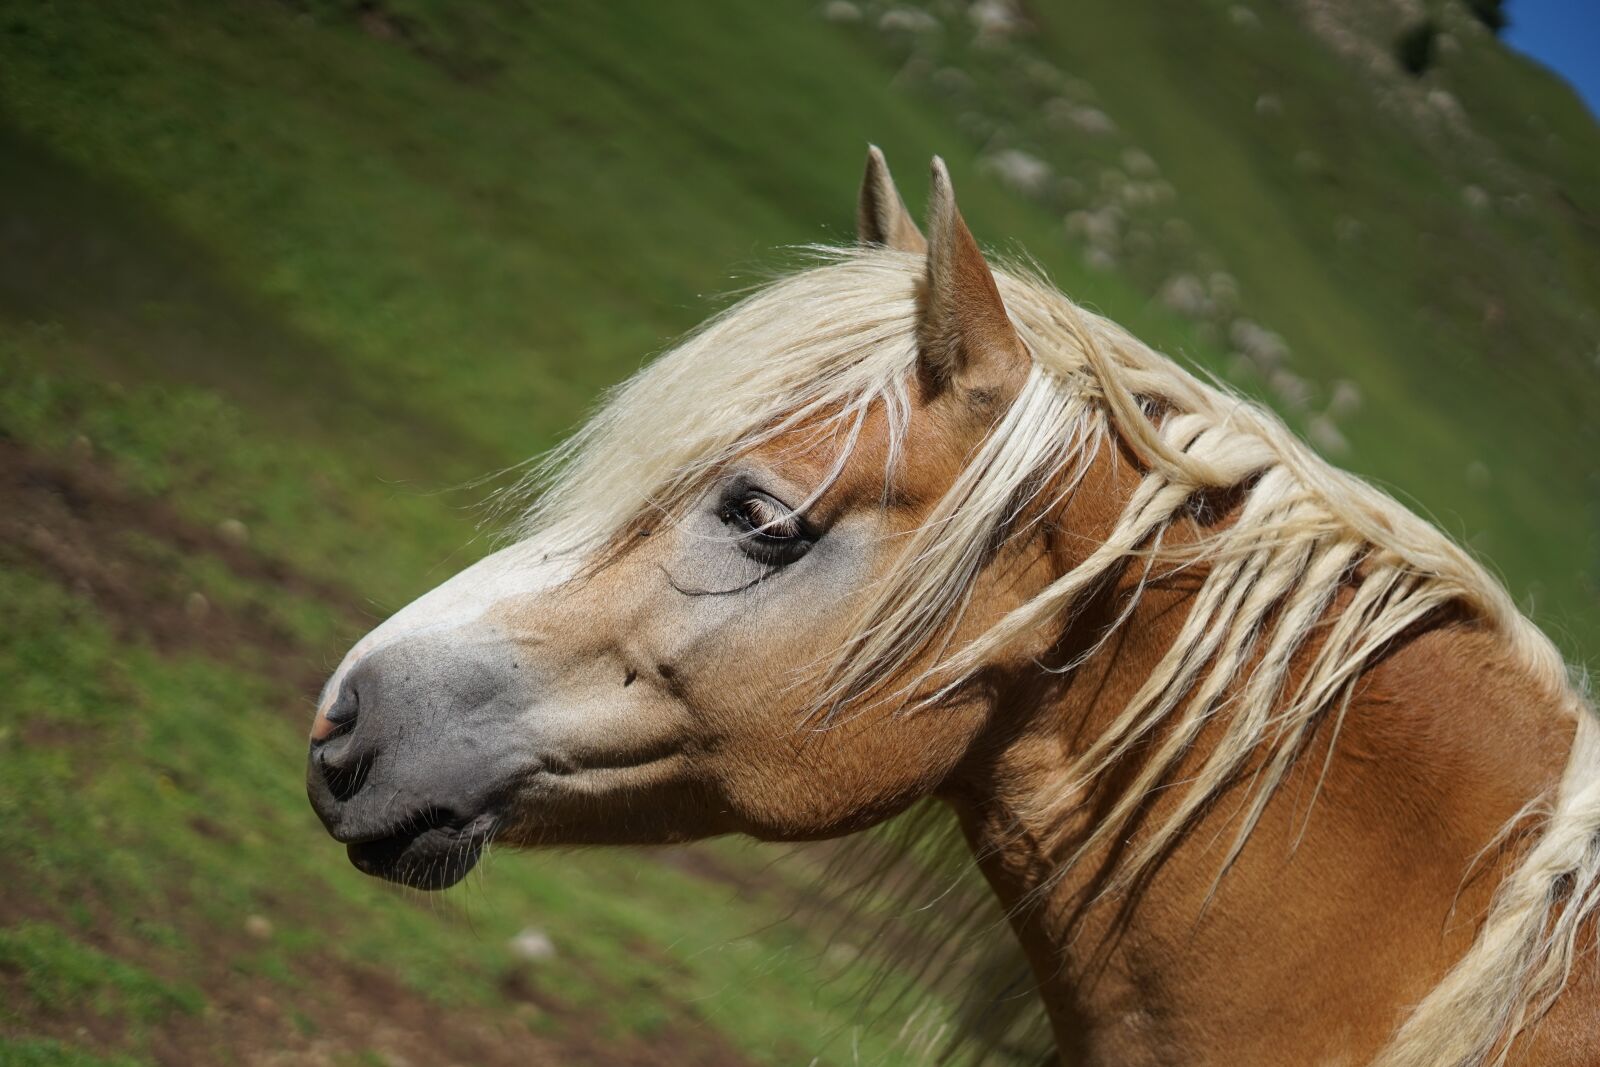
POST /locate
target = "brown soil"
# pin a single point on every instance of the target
(74, 521)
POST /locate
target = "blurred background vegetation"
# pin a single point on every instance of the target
(277, 276)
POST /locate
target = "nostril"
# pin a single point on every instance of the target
(344, 710)
(344, 771)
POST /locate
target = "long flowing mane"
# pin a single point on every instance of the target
(1315, 576)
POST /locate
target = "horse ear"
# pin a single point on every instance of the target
(881, 216)
(963, 331)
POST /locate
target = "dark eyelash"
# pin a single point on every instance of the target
(762, 518)
(767, 530)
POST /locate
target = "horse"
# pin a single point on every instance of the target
(1261, 766)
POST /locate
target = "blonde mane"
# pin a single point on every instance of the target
(830, 342)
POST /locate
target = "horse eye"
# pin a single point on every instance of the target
(767, 530)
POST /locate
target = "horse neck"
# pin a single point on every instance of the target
(1333, 920)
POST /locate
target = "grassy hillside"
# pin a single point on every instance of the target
(277, 276)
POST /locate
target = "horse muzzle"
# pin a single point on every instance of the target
(414, 755)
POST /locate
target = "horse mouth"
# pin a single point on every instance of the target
(432, 850)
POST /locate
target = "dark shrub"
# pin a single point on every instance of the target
(1417, 47)
(1492, 13)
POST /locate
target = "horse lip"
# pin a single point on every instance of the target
(421, 822)
(360, 831)
(427, 851)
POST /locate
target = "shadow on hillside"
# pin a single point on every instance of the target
(101, 267)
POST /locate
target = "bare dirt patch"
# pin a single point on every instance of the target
(74, 521)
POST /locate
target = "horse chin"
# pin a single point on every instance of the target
(427, 852)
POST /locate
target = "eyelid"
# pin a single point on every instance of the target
(781, 518)
(766, 529)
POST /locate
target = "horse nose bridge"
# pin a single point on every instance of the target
(435, 672)
(423, 684)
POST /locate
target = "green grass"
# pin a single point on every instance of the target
(270, 264)
(59, 973)
(34, 1052)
